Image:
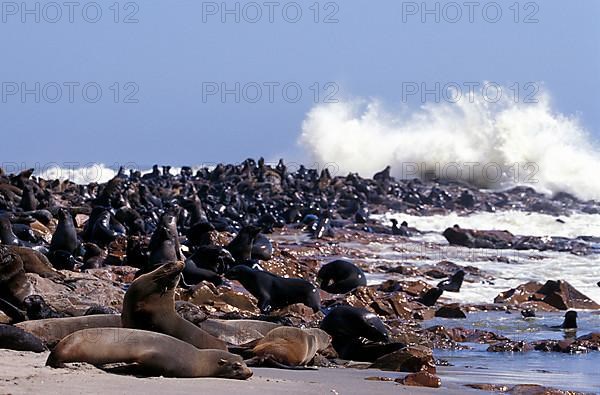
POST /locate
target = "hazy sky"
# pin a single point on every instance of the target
(162, 74)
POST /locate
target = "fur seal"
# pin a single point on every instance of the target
(65, 235)
(155, 353)
(149, 304)
(17, 339)
(274, 292)
(353, 322)
(101, 232)
(241, 246)
(14, 284)
(570, 321)
(36, 262)
(52, 330)
(7, 236)
(454, 283)
(164, 245)
(430, 297)
(289, 346)
(262, 248)
(340, 277)
(38, 309)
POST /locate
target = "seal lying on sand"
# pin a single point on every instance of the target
(154, 353)
(14, 338)
(149, 304)
(287, 347)
(52, 330)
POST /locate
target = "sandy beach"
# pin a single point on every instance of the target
(26, 373)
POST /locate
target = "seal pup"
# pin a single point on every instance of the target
(155, 354)
(149, 304)
(340, 277)
(287, 347)
(274, 292)
(454, 283)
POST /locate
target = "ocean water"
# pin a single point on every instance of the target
(579, 372)
(583, 272)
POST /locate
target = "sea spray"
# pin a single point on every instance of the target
(489, 145)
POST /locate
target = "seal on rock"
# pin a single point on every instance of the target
(149, 304)
(274, 292)
(154, 353)
(340, 277)
(454, 283)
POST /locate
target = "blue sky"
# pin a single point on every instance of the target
(179, 52)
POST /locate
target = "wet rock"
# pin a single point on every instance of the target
(518, 295)
(510, 346)
(557, 294)
(563, 296)
(421, 379)
(411, 359)
(450, 311)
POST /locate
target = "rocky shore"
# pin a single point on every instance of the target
(72, 250)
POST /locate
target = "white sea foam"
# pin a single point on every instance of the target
(470, 140)
(516, 222)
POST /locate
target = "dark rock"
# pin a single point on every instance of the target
(450, 311)
(411, 359)
(421, 379)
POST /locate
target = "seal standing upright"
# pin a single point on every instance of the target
(149, 304)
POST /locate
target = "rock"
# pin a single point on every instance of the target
(557, 294)
(411, 359)
(450, 311)
(510, 346)
(519, 294)
(563, 296)
(390, 286)
(421, 379)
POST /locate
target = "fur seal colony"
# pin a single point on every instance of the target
(204, 274)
